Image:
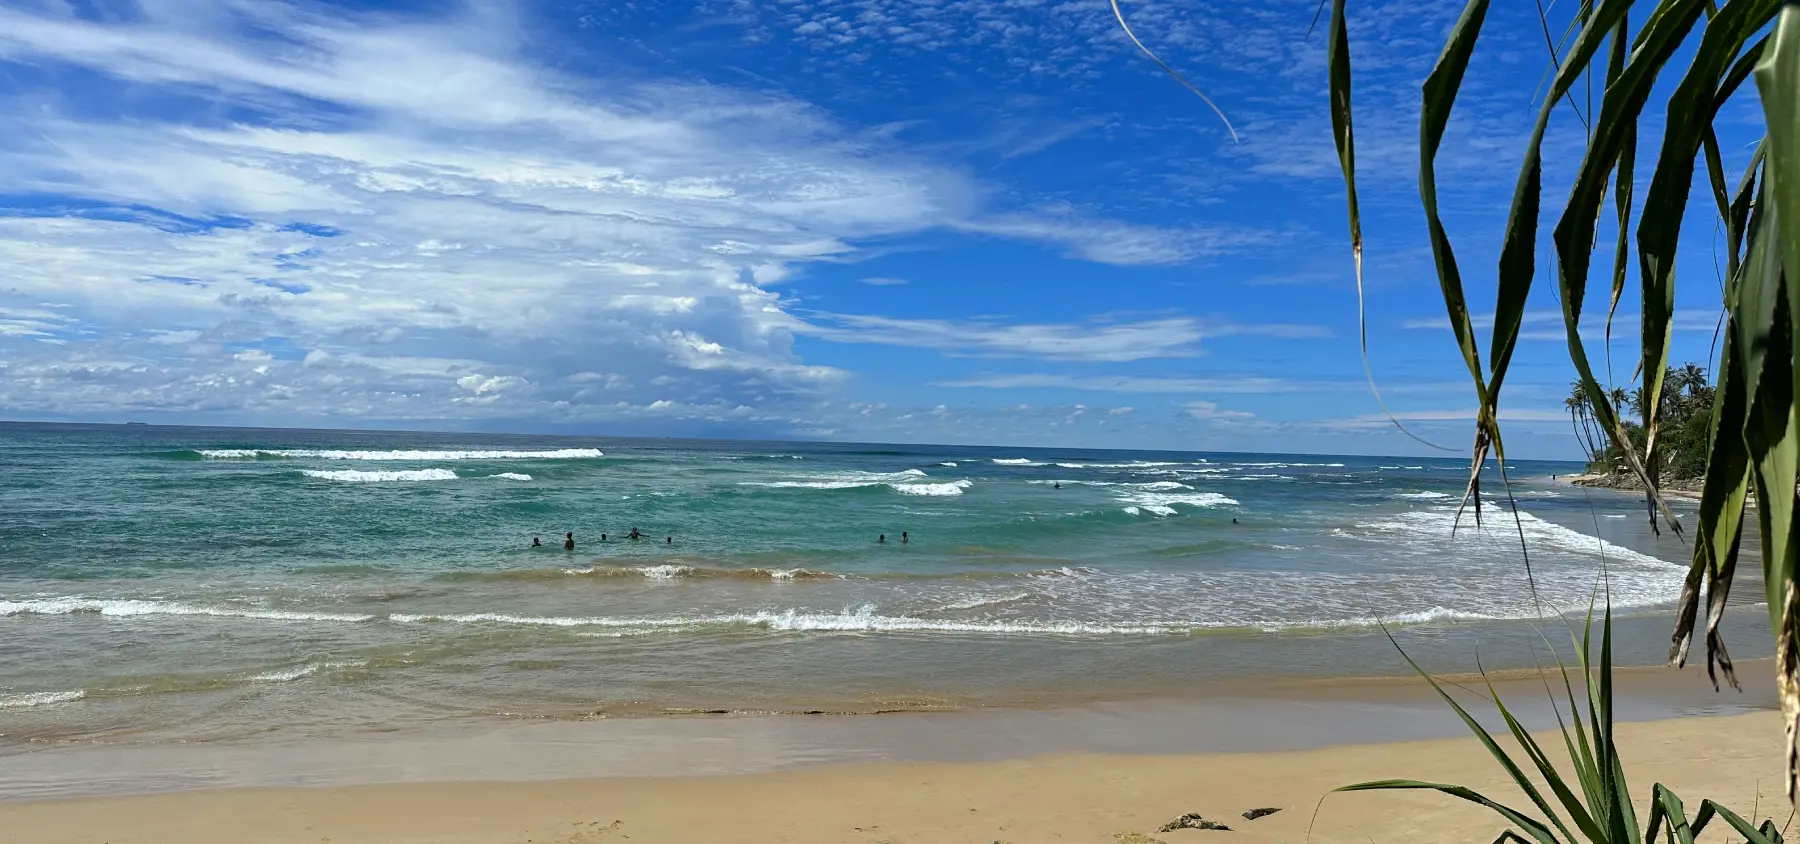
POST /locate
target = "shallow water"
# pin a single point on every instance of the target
(196, 584)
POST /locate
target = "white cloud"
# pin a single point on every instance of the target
(1139, 384)
(1548, 325)
(1097, 341)
(1118, 243)
(1376, 420)
(1100, 340)
(1211, 411)
(884, 281)
(481, 384)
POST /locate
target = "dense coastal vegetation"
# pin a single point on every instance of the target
(1683, 420)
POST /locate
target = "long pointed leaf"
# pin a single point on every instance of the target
(1778, 81)
(1578, 813)
(1665, 806)
(1513, 816)
(1689, 122)
(1481, 734)
(1661, 35)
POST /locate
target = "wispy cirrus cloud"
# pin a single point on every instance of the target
(1548, 325)
(1122, 244)
(1247, 385)
(1377, 420)
(1101, 340)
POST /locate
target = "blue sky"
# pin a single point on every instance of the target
(880, 220)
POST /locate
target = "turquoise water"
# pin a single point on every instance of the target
(197, 583)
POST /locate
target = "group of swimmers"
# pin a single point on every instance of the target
(569, 539)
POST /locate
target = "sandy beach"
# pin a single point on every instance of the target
(1087, 798)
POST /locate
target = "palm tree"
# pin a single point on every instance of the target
(1581, 416)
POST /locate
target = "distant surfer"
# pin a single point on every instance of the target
(569, 541)
(535, 543)
(1058, 485)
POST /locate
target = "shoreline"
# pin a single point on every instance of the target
(1238, 717)
(1626, 483)
(1064, 796)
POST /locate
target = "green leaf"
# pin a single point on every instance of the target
(1721, 516)
(1689, 122)
(1661, 35)
(1513, 816)
(1664, 805)
(1343, 134)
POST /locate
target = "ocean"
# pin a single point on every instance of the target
(166, 584)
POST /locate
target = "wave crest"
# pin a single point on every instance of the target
(398, 454)
(359, 476)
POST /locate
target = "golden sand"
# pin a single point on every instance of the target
(1077, 798)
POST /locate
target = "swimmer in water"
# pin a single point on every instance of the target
(535, 543)
(881, 540)
(1234, 520)
(569, 541)
(904, 539)
(635, 535)
(603, 537)
(670, 541)
(1059, 484)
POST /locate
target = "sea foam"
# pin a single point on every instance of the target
(125, 607)
(359, 476)
(282, 675)
(401, 454)
(28, 700)
(1163, 503)
(951, 488)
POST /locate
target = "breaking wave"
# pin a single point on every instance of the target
(359, 476)
(133, 607)
(397, 454)
(28, 700)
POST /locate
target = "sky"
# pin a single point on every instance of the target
(938, 221)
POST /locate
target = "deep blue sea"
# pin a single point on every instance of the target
(161, 583)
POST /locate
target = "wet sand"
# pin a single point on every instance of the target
(1239, 717)
(1094, 798)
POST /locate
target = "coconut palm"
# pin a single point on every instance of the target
(1581, 416)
